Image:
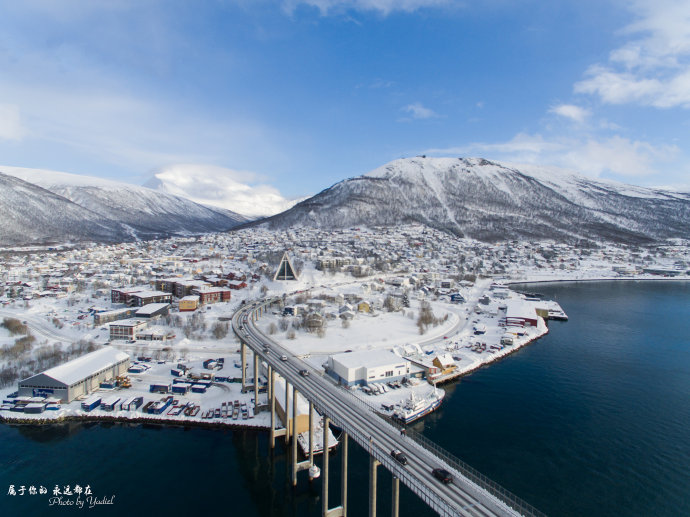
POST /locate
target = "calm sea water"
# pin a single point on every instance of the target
(593, 419)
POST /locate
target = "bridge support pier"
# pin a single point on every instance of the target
(373, 468)
(286, 411)
(311, 436)
(243, 351)
(272, 403)
(343, 475)
(395, 497)
(294, 435)
(256, 383)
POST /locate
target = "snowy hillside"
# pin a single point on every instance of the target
(489, 201)
(31, 214)
(58, 206)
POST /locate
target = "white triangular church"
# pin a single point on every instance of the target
(285, 269)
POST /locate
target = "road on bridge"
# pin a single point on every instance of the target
(372, 432)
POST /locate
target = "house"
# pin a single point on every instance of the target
(185, 287)
(153, 310)
(445, 363)
(121, 295)
(141, 298)
(127, 329)
(189, 303)
(457, 298)
(208, 294)
(520, 313)
(101, 318)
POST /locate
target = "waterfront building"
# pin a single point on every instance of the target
(363, 367)
(77, 377)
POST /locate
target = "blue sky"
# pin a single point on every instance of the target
(299, 94)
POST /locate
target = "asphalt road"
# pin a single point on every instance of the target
(372, 432)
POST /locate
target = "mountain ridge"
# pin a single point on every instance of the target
(490, 201)
(48, 206)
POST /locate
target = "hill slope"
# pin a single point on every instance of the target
(110, 211)
(489, 201)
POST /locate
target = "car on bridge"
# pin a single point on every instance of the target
(283, 358)
(443, 476)
(399, 456)
(304, 373)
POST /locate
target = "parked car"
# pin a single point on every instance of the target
(399, 456)
(443, 475)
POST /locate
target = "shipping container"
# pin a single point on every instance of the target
(91, 403)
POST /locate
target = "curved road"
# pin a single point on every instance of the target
(371, 431)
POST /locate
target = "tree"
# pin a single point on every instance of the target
(219, 330)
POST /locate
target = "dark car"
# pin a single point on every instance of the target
(304, 373)
(399, 456)
(443, 475)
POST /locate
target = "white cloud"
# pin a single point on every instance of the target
(570, 111)
(653, 68)
(239, 191)
(10, 123)
(384, 7)
(417, 111)
(615, 155)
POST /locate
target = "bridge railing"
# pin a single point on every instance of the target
(443, 508)
(479, 479)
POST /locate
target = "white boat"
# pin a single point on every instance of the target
(415, 407)
(303, 438)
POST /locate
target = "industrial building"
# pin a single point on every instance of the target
(367, 366)
(77, 377)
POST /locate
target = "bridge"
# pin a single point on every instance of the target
(470, 493)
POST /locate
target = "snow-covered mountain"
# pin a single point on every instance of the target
(490, 201)
(239, 191)
(49, 206)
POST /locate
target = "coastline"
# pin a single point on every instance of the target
(135, 419)
(499, 357)
(599, 279)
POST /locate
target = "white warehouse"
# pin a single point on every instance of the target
(78, 376)
(367, 366)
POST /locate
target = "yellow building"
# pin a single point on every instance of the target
(189, 303)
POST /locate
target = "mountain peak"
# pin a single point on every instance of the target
(491, 201)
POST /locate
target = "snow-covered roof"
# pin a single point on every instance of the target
(445, 359)
(152, 307)
(130, 322)
(81, 367)
(150, 293)
(368, 358)
(521, 309)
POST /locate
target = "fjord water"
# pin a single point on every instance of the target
(593, 419)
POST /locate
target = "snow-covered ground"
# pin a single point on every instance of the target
(396, 272)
